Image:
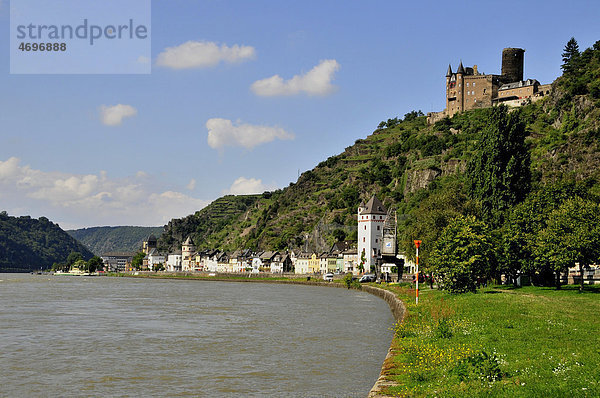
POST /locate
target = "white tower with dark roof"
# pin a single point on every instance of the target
(371, 218)
(187, 253)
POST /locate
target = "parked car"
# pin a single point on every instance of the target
(328, 277)
(367, 278)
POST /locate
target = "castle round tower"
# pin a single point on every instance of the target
(371, 218)
(512, 64)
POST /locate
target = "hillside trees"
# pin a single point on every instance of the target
(499, 175)
(570, 56)
(28, 244)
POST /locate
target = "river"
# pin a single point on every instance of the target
(101, 336)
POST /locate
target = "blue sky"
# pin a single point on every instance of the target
(243, 95)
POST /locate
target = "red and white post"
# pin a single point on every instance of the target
(417, 244)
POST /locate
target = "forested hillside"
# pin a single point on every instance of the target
(114, 239)
(210, 227)
(27, 244)
(433, 174)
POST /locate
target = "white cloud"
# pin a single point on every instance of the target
(78, 200)
(317, 81)
(191, 185)
(246, 186)
(114, 115)
(203, 54)
(222, 133)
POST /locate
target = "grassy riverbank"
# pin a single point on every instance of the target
(498, 342)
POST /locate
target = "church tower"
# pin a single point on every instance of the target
(149, 244)
(187, 254)
(371, 218)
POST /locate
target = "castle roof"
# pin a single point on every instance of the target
(449, 73)
(374, 206)
(151, 238)
(461, 69)
(188, 242)
(524, 83)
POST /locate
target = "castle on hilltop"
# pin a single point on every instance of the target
(468, 89)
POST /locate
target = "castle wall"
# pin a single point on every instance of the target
(478, 91)
(518, 92)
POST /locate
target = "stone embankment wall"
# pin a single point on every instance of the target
(398, 310)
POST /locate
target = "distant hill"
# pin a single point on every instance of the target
(27, 244)
(110, 239)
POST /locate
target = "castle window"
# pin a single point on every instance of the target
(365, 227)
(363, 239)
(467, 84)
(473, 84)
(378, 227)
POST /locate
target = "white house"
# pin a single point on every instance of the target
(302, 261)
(156, 259)
(174, 261)
(350, 261)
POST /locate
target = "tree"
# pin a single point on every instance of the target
(94, 263)
(339, 234)
(570, 56)
(571, 236)
(463, 255)
(363, 260)
(138, 260)
(80, 264)
(523, 225)
(499, 174)
(73, 258)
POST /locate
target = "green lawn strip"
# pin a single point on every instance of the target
(498, 342)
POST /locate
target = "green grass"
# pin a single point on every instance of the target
(498, 342)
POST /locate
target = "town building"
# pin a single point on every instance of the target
(174, 261)
(156, 260)
(117, 261)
